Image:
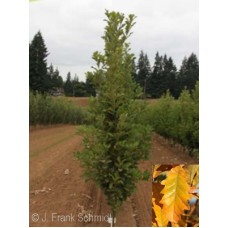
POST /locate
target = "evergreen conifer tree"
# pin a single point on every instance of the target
(143, 72)
(68, 86)
(189, 73)
(38, 78)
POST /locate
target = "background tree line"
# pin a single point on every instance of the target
(155, 80)
(163, 76)
(46, 79)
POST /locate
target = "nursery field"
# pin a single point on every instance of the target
(59, 196)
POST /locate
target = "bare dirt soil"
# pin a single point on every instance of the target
(59, 196)
(81, 101)
(165, 153)
(84, 101)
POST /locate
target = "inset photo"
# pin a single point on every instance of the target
(175, 195)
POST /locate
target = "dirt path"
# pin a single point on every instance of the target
(54, 193)
(60, 197)
(164, 153)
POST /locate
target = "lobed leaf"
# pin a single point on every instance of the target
(160, 216)
(193, 174)
(176, 194)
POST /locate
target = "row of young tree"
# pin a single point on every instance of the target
(177, 120)
(155, 80)
(48, 110)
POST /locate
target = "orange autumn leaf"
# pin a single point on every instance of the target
(154, 224)
(160, 216)
(176, 194)
(193, 174)
(155, 173)
(175, 224)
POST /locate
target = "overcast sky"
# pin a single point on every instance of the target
(72, 29)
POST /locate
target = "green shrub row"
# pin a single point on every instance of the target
(45, 109)
(177, 119)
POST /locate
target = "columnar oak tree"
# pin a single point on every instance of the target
(116, 140)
